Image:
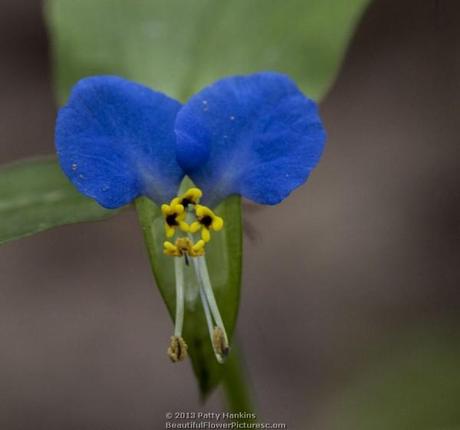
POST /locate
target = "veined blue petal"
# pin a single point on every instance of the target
(115, 141)
(257, 136)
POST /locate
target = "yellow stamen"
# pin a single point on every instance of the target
(197, 249)
(174, 217)
(191, 196)
(171, 249)
(207, 220)
(184, 247)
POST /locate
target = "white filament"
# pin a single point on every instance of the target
(209, 302)
(179, 272)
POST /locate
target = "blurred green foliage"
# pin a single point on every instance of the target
(179, 46)
(413, 383)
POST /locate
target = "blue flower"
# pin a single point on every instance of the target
(256, 136)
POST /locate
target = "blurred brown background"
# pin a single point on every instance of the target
(371, 254)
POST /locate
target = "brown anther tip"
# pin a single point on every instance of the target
(177, 350)
(219, 342)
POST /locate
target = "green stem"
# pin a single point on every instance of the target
(235, 385)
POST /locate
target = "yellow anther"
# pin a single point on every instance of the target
(174, 216)
(198, 248)
(191, 196)
(207, 220)
(171, 249)
(184, 247)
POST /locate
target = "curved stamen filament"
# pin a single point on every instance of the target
(177, 350)
(218, 334)
(207, 313)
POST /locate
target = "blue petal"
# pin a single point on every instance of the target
(115, 141)
(257, 136)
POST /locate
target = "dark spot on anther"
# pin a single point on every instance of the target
(185, 202)
(171, 220)
(206, 221)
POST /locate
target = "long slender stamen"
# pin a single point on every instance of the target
(218, 333)
(204, 276)
(207, 312)
(177, 350)
(220, 352)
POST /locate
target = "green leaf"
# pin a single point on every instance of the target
(35, 196)
(179, 46)
(411, 382)
(223, 255)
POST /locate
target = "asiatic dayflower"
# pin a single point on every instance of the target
(256, 136)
